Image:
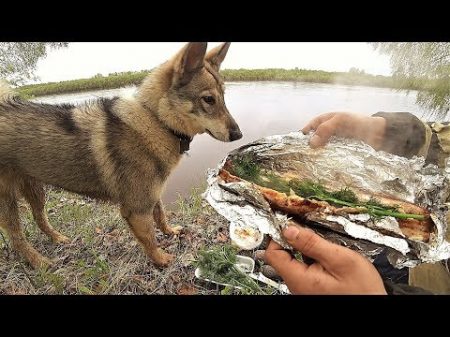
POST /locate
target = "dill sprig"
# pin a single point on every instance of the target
(218, 264)
(246, 168)
(346, 197)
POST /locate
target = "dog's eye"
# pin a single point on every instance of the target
(209, 100)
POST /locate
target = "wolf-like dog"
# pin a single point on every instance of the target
(120, 150)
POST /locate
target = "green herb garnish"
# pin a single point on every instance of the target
(218, 264)
(246, 168)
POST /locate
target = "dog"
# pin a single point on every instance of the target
(119, 150)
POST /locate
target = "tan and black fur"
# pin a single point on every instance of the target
(113, 149)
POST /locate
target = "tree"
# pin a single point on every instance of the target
(356, 71)
(18, 60)
(425, 66)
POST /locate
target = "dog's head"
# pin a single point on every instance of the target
(187, 93)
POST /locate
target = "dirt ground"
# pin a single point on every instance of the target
(103, 256)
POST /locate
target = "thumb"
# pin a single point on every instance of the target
(312, 245)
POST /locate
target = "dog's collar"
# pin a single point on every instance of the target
(184, 140)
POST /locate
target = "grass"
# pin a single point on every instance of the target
(304, 75)
(192, 205)
(103, 257)
(117, 80)
(98, 82)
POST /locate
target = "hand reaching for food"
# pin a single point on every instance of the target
(369, 129)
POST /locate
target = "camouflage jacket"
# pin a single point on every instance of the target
(406, 135)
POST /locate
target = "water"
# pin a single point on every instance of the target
(262, 109)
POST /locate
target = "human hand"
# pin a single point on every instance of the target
(369, 129)
(337, 270)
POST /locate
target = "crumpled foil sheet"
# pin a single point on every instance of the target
(342, 162)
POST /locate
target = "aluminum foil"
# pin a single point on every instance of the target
(342, 162)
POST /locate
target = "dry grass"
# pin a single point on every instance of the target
(103, 257)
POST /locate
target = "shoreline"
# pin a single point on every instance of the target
(119, 80)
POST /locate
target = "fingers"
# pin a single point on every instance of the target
(314, 123)
(324, 132)
(274, 246)
(325, 126)
(270, 272)
(329, 255)
(350, 125)
(337, 270)
(282, 261)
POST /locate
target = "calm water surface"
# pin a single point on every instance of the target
(262, 109)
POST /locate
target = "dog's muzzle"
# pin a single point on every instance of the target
(235, 134)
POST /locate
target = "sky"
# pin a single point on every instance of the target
(83, 60)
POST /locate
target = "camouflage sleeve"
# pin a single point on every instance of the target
(406, 135)
(404, 289)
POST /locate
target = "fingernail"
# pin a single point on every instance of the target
(314, 141)
(270, 272)
(259, 255)
(291, 232)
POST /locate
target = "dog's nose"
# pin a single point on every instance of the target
(235, 134)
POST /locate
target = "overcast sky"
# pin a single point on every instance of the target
(82, 60)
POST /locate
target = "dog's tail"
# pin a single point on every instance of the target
(6, 92)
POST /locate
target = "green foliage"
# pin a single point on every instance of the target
(346, 197)
(417, 66)
(44, 277)
(376, 204)
(190, 206)
(298, 256)
(18, 60)
(357, 71)
(246, 168)
(218, 264)
(112, 81)
(306, 188)
(117, 80)
(345, 194)
(353, 77)
(424, 65)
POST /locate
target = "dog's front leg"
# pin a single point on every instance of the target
(142, 227)
(160, 218)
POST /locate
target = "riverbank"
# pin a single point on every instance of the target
(117, 80)
(103, 257)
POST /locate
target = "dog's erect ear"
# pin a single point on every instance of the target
(216, 55)
(190, 60)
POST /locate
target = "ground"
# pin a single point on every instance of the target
(103, 257)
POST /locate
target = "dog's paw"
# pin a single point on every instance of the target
(174, 230)
(40, 262)
(161, 258)
(60, 239)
